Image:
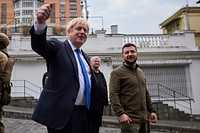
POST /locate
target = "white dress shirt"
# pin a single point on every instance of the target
(80, 100)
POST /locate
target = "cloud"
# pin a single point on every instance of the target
(133, 16)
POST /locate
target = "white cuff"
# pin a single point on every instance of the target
(39, 28)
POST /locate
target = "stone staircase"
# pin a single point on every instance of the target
(164, 112)
(20, 107)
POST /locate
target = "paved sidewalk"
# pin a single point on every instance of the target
(110, 123)
(28, 126)
(161, 125)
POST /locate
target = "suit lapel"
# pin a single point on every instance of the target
(72, 57)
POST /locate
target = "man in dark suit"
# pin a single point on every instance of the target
(62, 105)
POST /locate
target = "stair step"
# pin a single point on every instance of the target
(17, 112)
(26, 102)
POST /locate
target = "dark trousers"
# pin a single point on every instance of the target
(96, 120)
(134, 128)
(95, 128)
(78, 122)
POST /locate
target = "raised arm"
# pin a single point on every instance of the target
(43, 13)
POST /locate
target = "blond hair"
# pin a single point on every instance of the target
(77, 21)
(95, 57)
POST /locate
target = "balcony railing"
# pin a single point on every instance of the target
(180, 41)
(150, 40)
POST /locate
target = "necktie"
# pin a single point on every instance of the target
(86, 79)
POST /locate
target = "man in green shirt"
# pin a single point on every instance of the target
(129, 96)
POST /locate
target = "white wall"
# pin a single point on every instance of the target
(31, 71)
(195, 81)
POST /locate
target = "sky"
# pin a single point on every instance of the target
(133, 16)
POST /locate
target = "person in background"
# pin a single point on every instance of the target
(6, 67)
(129, 96)
(97, 121)
(70, 95)
(3, 62)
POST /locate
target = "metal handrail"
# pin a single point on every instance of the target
(167, 94)
(24, 88)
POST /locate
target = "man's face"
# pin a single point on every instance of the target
(95, 63)
(130, 55)
(78, 35)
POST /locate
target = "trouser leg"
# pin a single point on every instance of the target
(134, 128)
(1, 124)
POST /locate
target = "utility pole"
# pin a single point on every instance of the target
(86, 10)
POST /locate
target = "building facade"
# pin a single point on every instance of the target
(17, 15)
(170, 62)
(187, 18)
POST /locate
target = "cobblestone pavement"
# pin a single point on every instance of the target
(29, 126)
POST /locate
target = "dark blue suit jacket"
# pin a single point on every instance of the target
(58, 97)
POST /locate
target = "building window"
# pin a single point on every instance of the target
(62, 15)
(62, 21)
(3, 13)
(73, 14)
(17, 13)
(17, 4)
(14, 29)
(27, 4)
(39, 4)
(62, 8)
(73, 1)
(27, 12)
(73, 6)
(4, 30)
(62, 1)
(168, 27)
(26, 20)
(53, 14)
(176, 25)
(17, 20)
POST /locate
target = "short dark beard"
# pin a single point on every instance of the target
(130, 63)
